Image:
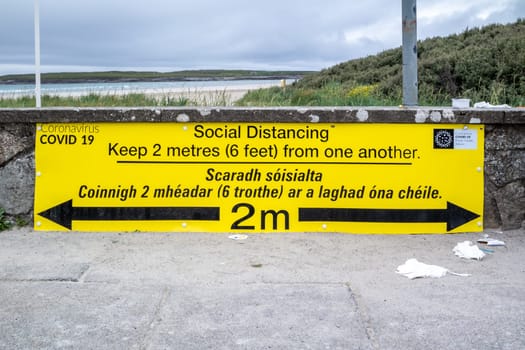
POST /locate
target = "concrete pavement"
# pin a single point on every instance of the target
(269, 291)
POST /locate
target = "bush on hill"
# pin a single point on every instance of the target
(483, 64)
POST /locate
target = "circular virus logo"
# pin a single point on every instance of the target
(443, 138)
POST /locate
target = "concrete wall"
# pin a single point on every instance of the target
(504, 205)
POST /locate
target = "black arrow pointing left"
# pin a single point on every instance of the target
(64, 213)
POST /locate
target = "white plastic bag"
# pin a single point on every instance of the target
(467, 250)
(415, 269)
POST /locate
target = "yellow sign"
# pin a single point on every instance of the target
(259, 177)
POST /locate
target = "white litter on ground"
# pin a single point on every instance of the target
(237, 237)
(468, 250)
(415, 269)
(491, 241)
(488, 105)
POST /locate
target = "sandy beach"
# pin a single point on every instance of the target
(210, 95)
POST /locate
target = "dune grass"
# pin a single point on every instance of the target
(190, 98)
(331, 94)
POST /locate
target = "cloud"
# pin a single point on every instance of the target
(188, 34)
(450, 16)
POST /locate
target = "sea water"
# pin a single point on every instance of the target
(18, 90)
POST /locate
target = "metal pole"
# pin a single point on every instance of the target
(37, 55)
(410, 89)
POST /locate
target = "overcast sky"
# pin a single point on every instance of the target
(166, 35)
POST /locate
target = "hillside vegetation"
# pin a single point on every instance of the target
(483, 64)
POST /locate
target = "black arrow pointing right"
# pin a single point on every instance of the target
(454, 216)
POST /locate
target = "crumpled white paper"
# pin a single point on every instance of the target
(468, 250)
(415, 269)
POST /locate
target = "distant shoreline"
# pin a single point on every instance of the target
(153, 80)
(134, 77)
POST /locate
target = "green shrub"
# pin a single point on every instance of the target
(5, 224)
